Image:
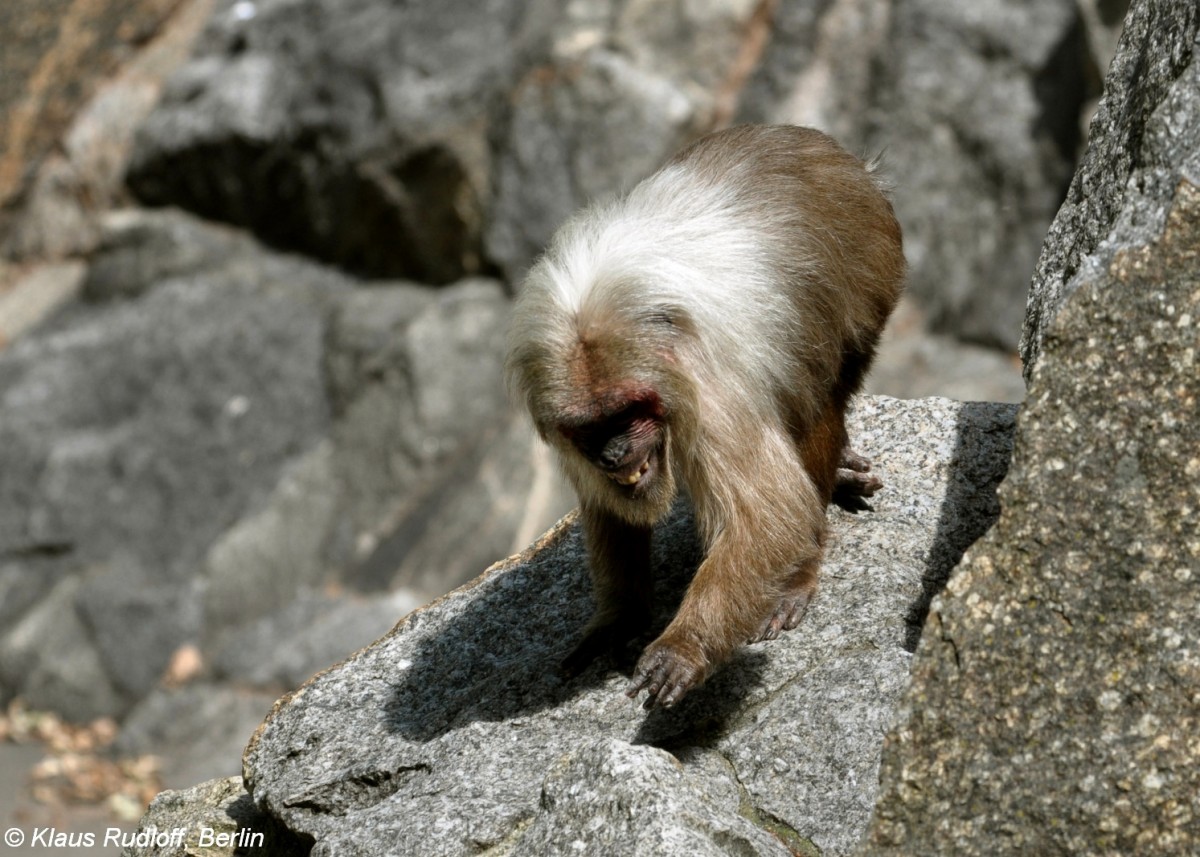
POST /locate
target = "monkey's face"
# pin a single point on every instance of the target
(628, 447)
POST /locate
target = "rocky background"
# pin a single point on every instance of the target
(256, 263)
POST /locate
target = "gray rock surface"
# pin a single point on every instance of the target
(819, 67)
(202, 725)
(282, 650)
(979, 108)
(202, 389)
(354, 130)
(624, 85)
(1056, 691)
(1143, 140)
(913, 362)
(434, 141)
(453, 734)
(216, 435)
(613, 797)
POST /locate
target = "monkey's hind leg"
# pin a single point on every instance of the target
(833, 467)
(621, 587)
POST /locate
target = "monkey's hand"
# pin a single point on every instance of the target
(855, 482)
(666, 671)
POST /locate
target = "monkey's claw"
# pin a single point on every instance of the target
(785, 617)
(852, 460)
(665, 674)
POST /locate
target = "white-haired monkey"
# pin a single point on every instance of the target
(706, 331)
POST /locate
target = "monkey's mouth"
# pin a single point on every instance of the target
(632, 477)
(635, 477)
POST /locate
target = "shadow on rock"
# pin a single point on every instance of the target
(497, 658)
(703, 717)
(984, 436)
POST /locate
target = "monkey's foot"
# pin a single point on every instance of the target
(855, 482)
(786, 616)
(666, 672)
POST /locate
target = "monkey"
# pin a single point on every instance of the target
(704, 334)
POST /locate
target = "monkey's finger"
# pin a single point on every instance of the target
(682, 678)
(652, 690)
(655, 695)
(856, 482)
(672, 695)
(796, 611)
(652, 672)
(641, 680)
(852, 460)
(770, 628)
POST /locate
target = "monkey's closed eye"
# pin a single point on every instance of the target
(663, 317)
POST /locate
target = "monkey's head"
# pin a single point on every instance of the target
(605, 395)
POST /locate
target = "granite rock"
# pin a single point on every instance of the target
(215, 432)
(1056, 692)
(136, 432)
(355, 131)
(213, 819)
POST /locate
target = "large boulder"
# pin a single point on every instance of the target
(454, 734)
(341, 128)
(135, 433)
(1056, 690)
(432, 141)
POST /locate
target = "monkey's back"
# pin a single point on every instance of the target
(825, 219)
(770, 248)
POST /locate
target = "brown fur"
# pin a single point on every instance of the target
(633, 368)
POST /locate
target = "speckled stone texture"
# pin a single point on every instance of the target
(1055, 706)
